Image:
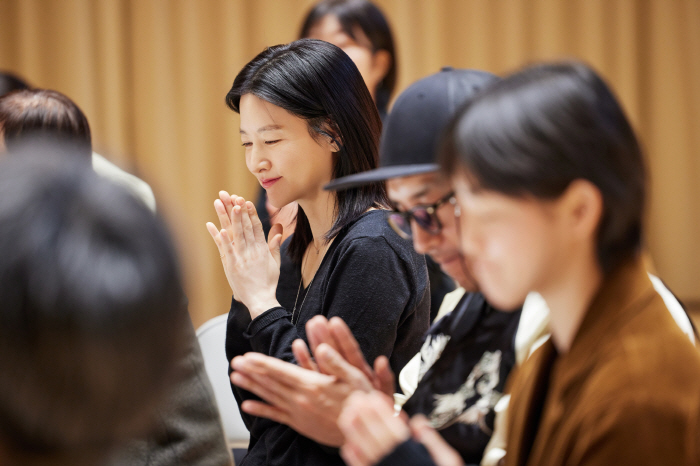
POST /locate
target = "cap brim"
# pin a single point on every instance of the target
(380, 174)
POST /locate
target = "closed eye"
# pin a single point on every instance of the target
(247, 144)
(269, 143)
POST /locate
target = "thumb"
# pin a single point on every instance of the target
(274, 240)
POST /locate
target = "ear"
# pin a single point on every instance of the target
(331, 136)
(583, 206)
(381, 63)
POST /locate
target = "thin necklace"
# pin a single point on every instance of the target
(301, 280)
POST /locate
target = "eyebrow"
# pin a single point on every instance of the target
(264, 128)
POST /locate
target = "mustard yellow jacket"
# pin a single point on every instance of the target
(627, 392)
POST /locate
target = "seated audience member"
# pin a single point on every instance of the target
(92, 315)
(103, 167)
(460, 372)
(551, 184)
(310, 402)
(189, 427)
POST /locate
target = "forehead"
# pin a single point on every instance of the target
(327, 28)
(257, 114)
(410, 190)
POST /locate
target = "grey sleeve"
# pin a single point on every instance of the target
(188, 428)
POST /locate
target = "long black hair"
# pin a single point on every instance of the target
(369, 18)
(318, 82)
(538, 130)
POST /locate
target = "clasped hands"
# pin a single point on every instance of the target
(336, 399)
(251, 264)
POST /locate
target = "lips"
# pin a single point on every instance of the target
(267, 182)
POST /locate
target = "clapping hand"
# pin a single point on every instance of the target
(251, 264)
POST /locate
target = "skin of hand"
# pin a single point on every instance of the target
(251, 264)
(441, 452)
(370, 427)
(307, 401)
(309, 398)
(336, 334)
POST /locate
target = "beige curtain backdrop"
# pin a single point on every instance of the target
(151, 76)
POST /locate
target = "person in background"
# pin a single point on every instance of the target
(188, 427)
(92, 315)
(551, 184)
(10, 82)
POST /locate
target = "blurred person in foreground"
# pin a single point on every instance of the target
(92, 315)
(189, 427)
(551, 184)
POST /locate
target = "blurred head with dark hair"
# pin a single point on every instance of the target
(40, 114)
(307, 118)
(540, 160)
(361, 30)
(11, 82)
(92, 313)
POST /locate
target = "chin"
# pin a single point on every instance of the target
(503, 301)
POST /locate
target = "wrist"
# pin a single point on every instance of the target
(259, 307)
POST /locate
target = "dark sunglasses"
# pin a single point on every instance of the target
(424, 216)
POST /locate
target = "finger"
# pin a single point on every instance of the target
(274, 241)
(281, 372)
(261, 386)
(353, 456)
(385, 381)
(222, 214)
(260, 409)
(227, 246)
(227, 201)
(248, 225)
(214, 232)
(332, 363)
(258, 231)
(348, 346)
(441, 452)
(317, 332)
(237, 234)
(302, 355)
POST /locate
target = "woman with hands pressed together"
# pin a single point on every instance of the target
(307, 118)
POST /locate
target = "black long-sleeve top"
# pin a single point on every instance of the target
(369, 277)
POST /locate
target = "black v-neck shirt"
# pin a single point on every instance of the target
(374, 281)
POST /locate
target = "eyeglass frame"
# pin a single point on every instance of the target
(431, 210)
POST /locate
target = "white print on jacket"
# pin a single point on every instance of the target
(449, 408)
(430, 352)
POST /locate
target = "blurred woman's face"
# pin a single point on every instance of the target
(513, 245)
(279, 150)
(373, 66)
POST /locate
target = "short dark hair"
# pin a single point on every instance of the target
(318, 82)
(11, 82)
(32, 114)
(369, 18)
(93, 311)
(538, 130)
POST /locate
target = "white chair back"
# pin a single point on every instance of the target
(212, 337)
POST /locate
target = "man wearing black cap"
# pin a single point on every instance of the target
(459, 375)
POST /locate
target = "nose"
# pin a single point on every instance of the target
(423, 242)
(256, 160)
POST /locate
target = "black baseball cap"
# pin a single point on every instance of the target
(412, 130)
